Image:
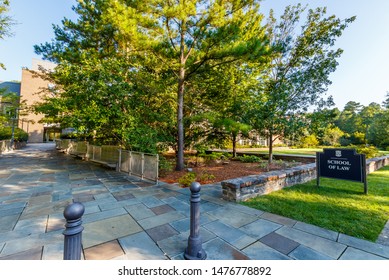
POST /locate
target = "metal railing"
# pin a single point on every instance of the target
(139, 164)
(78, 148)
(105, 153)
(134, 163)
(62, 144)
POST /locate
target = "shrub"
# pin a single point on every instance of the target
(344, 141)
(195, 161)
(309, 141)
(369, 151)
(165, 165)
(187, 179)
(19, 134)
(214, 156)
(206, 177)
(332, 136)
(247, 158)
(358, 138)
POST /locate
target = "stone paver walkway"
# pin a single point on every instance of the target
(127, 218)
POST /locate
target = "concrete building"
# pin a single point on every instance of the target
(30, 122)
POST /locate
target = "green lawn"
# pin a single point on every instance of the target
(286, 151)
(304, 151)
(337, 205)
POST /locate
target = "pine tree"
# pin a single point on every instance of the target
(184, 38)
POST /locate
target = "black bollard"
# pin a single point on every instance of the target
(194, 251)
(73, 231)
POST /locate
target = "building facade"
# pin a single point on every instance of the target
(31, 86)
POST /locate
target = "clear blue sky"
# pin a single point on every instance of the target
(362, 74)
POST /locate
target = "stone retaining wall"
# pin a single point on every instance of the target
(5, 146)
(241, 189)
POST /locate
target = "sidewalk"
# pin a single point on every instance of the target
(126, 218)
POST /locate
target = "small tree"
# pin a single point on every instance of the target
(309, 141)
(223, 115)
(379, 130)
(5, 23)
(332, 136)
(320, 120)
(299, 74)
(368, 114)
(10, 107)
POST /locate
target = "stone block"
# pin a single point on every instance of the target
(322, 245)
(224, 231)
(161, 232)
(279, 243)
(160, 220)
(259, 251)
(31, 254)
(260, 228)
(108, 230)
(217, 249)
(356, 254)
(329, 234)
(139, 211)
(304, 253)
(140, 246)
(364, 245)
(105, 251)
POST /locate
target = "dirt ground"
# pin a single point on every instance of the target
(225, 170)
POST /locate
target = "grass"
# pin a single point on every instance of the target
(337, 205)
(296, 151)
(302, 151)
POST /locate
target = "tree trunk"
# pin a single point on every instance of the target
(180, 123)
(180, 102)
(270, 148)
(234, 146)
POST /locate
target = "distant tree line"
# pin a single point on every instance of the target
(354, 125)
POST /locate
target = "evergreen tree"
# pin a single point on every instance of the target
(223, 116)
(378, 133)
(102, 88)
(185, 38)
(125, 67)
(367, 115)
(385, 103)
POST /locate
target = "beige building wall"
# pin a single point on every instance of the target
(30, 86)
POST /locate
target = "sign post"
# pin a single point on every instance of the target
(343, 164)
